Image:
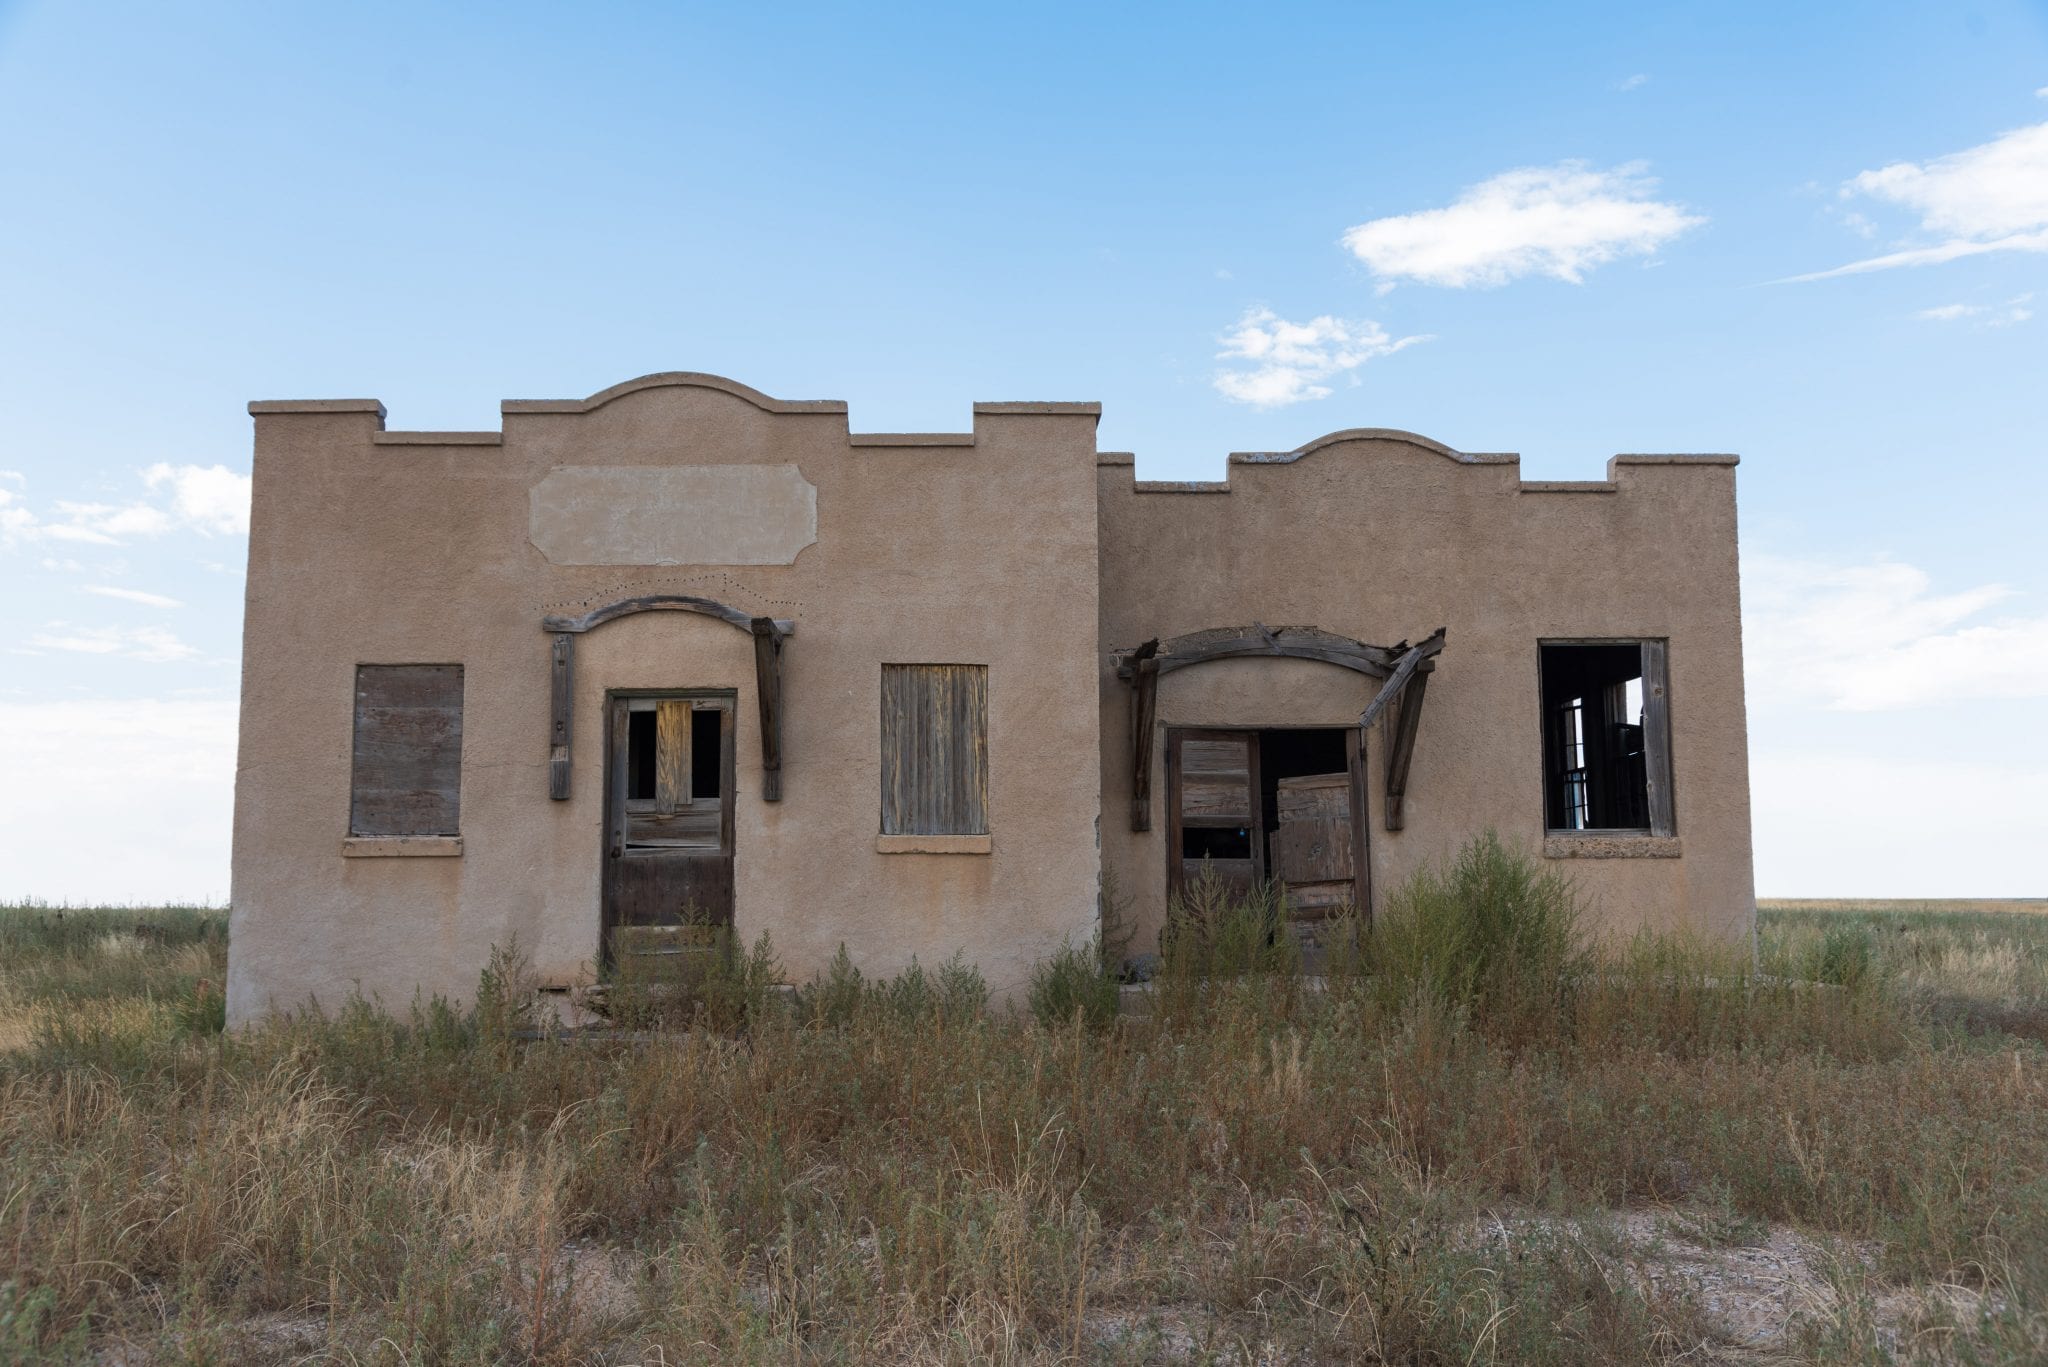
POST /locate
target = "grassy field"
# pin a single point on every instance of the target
(1479, 1141)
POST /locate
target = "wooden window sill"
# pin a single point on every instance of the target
(1597, 845)
(934, 844)
(400, 846)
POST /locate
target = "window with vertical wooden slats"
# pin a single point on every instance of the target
(406, 776)
(934, 749)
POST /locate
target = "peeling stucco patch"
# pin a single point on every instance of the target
(674, 515)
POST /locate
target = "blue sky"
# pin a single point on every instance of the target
(1564, 231)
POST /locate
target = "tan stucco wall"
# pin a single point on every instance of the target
(370, 546)
(1383, 537)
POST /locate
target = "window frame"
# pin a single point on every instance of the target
(1658, 761)
(360, 838)
(903, 837)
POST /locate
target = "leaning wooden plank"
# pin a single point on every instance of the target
(671, 755)
(1403, 671)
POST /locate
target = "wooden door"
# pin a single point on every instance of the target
(668, 859)
(1314, 845)
(1212, 799)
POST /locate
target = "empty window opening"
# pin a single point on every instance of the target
(640, 755)
(1595, 756)
(706, 764)
(676, 778)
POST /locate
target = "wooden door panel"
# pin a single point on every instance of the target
(1216, 778)
(668, 859)
(1313, 845)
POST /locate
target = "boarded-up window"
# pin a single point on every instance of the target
(934, 749)
(407, 778)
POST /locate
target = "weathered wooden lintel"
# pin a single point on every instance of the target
(1140, 667)
(769, 633)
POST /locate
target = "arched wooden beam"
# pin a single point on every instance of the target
(1296, 642)
(1140, 667)
(769, 635)
(660, 602)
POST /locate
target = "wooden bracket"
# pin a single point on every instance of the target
(1144, 707)
(1401, 747)
(768, 638)
(562, 693)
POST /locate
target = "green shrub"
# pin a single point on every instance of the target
(1844, 956)
(1073, 984)
(833, 999)
(1216, 930)
(1491, 932)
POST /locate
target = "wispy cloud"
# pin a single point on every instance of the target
(1560, 221)
(142, 596)
(151, 644)
(1875, 636)
(1983, 199)
(1635, 82)
(1289, 361)
(2017, 309)
(208, 499)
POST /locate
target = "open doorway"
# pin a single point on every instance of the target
(1278, 804)
(668, 860)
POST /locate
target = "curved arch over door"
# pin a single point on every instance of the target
(769, 634)
(1405, 669)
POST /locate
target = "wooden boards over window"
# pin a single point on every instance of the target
(934, 749)
(407, 772)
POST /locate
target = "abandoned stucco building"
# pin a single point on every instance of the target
(683, 649)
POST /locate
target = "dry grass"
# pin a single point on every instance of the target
(1418, 1173)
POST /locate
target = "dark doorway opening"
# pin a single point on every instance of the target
(1273, 805)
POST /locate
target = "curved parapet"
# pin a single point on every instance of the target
(1396, 434)
(1608, 485)
(674, 379)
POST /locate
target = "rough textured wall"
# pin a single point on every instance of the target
(370, 546)
(1382, 536)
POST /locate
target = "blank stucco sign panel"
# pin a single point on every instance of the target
(678, 515)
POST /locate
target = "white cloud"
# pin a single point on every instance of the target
(1290, 360)
(151, 644)
(211, 498)
(154, 600)
(1635, 82)
(104, 522)
(16, 522)
(1983, 199)
(174, 759)
(1875, 637)
(2012, 311)
(1559, 221)
(208, 499)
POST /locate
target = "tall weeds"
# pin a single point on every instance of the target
(1402, 1167)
